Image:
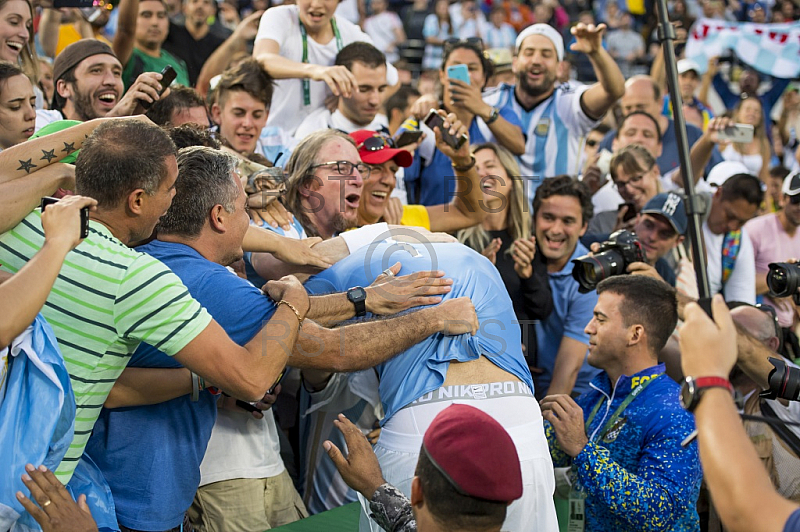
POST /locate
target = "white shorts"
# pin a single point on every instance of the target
(401, 438)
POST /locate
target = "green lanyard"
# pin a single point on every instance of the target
(306, 82)
(636, 391)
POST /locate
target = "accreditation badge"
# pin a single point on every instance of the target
(577, 511)
(614, 431)
(542, 127)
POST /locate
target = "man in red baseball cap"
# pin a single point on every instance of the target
(467, 474)
(378, 152)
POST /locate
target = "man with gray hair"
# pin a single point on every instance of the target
(198, 237)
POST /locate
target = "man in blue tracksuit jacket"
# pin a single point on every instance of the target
(623, 438)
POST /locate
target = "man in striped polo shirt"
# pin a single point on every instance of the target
(556, 116)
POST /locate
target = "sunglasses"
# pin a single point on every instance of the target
(376, 143)
(592, 143)
(794, 200)
(473, 42)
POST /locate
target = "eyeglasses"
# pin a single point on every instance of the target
(474, 42)
(770, 310)
(376, 143)
(345, 167)
(634, 180)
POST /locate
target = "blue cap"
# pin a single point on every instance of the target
(670, 206)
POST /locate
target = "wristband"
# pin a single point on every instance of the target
(466, 167)
(364, 236)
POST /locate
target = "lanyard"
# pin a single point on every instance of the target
(636, 391)
(306, 82)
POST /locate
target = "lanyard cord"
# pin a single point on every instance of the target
(628, 400)
(304, 34)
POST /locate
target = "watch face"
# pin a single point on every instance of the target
(357, 294)
(687, 393)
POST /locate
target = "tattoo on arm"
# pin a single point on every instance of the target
(48, 155)
(26, 165)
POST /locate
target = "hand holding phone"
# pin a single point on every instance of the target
(63, 219)
(168, 75)
(737, 133)
(434, 120)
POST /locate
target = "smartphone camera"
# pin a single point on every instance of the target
(434, 120)
(47, 201)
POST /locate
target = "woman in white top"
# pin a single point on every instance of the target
(756, 154)
(297, 45)
(16, 34)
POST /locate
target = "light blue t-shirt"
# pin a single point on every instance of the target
(423, 367)
(572, 312)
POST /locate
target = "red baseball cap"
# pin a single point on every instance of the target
(379, 151)
(475, 453)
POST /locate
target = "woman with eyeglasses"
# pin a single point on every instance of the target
(756, 154)
(504, 237)
(429, 180)
(635, 176)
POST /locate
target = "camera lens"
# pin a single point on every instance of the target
(783, 279)
(589, 271)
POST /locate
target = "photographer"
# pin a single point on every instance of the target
(740, 487)
(659, 228)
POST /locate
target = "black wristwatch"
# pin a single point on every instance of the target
(692, 388)
(358, 297)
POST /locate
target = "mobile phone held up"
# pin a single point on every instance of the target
(47, 201)
(168, 75)
(434, 120)
(406, 137)
(737, 133)
(459, 72)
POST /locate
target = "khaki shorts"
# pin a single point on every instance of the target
(246, 505)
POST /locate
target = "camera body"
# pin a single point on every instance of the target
(783, 280)
(615, 254)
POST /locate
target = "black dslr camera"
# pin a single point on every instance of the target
(621, 249)
(784, 381)
(783, 280)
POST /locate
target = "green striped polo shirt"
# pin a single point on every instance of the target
(107, 299)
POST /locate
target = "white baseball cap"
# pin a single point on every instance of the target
(548, 31)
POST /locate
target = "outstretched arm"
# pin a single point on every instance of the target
(610, 84)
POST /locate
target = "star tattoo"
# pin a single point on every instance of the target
(48, 155)
(26, 165)
(69, 147)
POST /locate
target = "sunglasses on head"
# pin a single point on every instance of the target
(474, 42)
(376, 143)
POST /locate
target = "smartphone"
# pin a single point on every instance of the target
(459, 72)
(631, 213)
(737, 133)
(407, 137)
(46, 201)
(168, 75)
(435, 120)
(87, 4)
(277, 382)
(91, 13)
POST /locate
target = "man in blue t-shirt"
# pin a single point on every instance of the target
(151, 455)
(563, 208)
(486, 370)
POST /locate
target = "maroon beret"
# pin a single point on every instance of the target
(475, 453)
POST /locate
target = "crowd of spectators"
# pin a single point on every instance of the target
(262, 259)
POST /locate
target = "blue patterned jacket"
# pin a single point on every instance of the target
(636, 476)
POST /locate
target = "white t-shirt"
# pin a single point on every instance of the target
(741, 285)
(45, 117)
(242, 446)
(381, 28)
(282, 25)
(324, 119)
